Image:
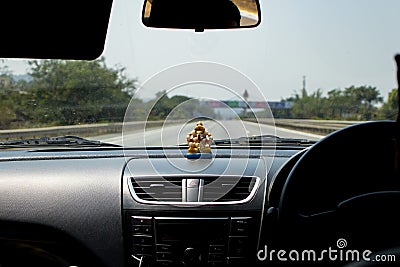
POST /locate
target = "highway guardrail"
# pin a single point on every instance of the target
(83, 130)
(321, 127)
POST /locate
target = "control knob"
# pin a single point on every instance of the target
(191, 257)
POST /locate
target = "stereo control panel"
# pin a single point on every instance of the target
(191, 241)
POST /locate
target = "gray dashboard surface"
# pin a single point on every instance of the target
(81, 198)
(79, 193)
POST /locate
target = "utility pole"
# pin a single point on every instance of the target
(304, 90)
(245, 96)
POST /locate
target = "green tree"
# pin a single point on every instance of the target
(7, 114)
(351, 103)
(336, 104)
(308, 106)
(163, 105)
(389, 110)
(72, 92)
(177, 107)
(363, 100)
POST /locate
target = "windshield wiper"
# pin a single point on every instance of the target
(264, 140)
(66, 141)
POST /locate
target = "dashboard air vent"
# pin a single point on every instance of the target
(157, 188)
(228, 188)
(223, 189)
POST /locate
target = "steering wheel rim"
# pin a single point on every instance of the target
(340, 167)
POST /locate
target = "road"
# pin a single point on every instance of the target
(176, 134)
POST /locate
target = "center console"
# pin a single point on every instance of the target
(192, 241)
(174, 219)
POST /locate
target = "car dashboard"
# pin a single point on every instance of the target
(156, 207)
(115, 207)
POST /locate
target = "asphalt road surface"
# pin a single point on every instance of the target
(176, 134)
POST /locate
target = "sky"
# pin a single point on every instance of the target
(334, 43)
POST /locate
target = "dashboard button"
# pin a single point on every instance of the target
(215, 257)
(147, 230)
(137, 229)
(240, 226)
(164, 248)
(240, 221)
(164, 263)
(238, 246)
(240, 231)
(216, 248)
(142, 250)
(142, 240)
(237, 241)
(238, 251)
(136, 220)
(142, 230)
(237, 261)
(164, 256)
(215, 263)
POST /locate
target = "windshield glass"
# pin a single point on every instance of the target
(309, 68)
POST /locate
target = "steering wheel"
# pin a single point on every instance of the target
(345, 187)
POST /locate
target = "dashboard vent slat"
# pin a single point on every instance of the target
(161, 189)
(228, 189)
(215, 189)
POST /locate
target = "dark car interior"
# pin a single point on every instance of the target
(106, 206)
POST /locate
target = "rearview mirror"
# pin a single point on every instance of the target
(201, 14)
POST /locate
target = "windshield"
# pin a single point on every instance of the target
(309, 68)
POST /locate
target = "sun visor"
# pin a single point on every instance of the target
(48, 29)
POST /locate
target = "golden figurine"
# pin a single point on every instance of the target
(199, 141)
